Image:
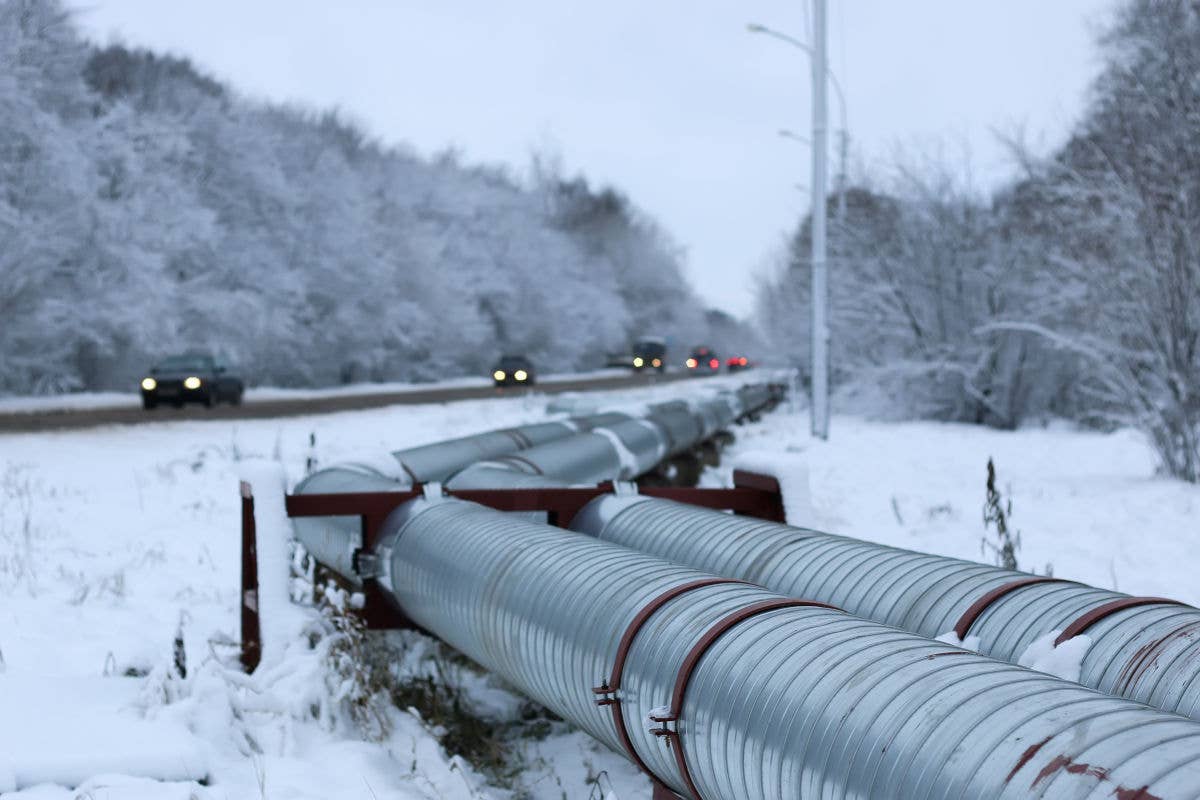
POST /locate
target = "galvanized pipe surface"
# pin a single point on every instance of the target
(440, 460)
(1148, 653)
(605, 419)
(640, 443)
(583, 458)
(683, 428)
(795, 702)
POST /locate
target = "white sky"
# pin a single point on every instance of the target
(670, 100)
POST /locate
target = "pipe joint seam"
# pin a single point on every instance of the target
(689, 666)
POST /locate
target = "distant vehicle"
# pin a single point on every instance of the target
(703, 361)
(650, 353)
(737, 363)
(514, 371)
(191, 378)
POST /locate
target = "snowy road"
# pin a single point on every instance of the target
(266, 404)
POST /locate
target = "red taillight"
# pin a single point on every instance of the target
(731, 362)
(714, 363)
(743, 361)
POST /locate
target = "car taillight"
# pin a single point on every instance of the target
(742, 361)
(692, 363)
(714, 363)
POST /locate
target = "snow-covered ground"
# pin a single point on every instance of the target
(1087, 503)
(81, 401)
(112, 538)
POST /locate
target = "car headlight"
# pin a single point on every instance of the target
(637, 361)
(656, 362)
(498, 374)
(520, 374)
(149, 384)
(691, 363)
(191, 382)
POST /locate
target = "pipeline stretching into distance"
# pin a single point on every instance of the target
(584, 450)
(725, 691)
(1145, 649)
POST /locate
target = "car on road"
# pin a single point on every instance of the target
(514, 370)
(191, 378)
(703, 361)
(737, 364)
(650, 353)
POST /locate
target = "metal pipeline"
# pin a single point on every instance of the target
(618, 447)
(607, 418)
(725, 691)
(440, 460)
(1143, 649)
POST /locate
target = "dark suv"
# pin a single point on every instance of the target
(191, 378)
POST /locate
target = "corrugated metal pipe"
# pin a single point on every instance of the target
(726, 691)
(617, 446)
(440, 460)
(1143, 649)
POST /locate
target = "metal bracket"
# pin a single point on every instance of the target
(367, 565)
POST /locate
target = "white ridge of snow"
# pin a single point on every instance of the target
(950, 637)
(381, 462)
(657, 711)
(1064, 661)
(279, 617)
(791, 470)
(629, 462)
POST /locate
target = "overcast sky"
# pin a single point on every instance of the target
(670, 100)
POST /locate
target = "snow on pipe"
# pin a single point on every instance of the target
(726, 691)
(1143, 649)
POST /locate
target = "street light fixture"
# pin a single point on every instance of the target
(843, 134)
(786, 134)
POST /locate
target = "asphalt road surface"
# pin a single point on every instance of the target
(62, 419)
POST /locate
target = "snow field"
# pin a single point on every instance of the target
(112, 538)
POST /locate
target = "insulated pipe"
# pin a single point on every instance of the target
(760, 697)
(583, 458)
(499, 475)
(683, 428)
(621, 451)
(440, 460)
(608, 418)
(1143, 649)
(641, 444)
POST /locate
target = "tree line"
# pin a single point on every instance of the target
(1072, 291)
(146, 208)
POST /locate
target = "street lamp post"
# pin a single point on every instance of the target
(843, 135)
(821, 77)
